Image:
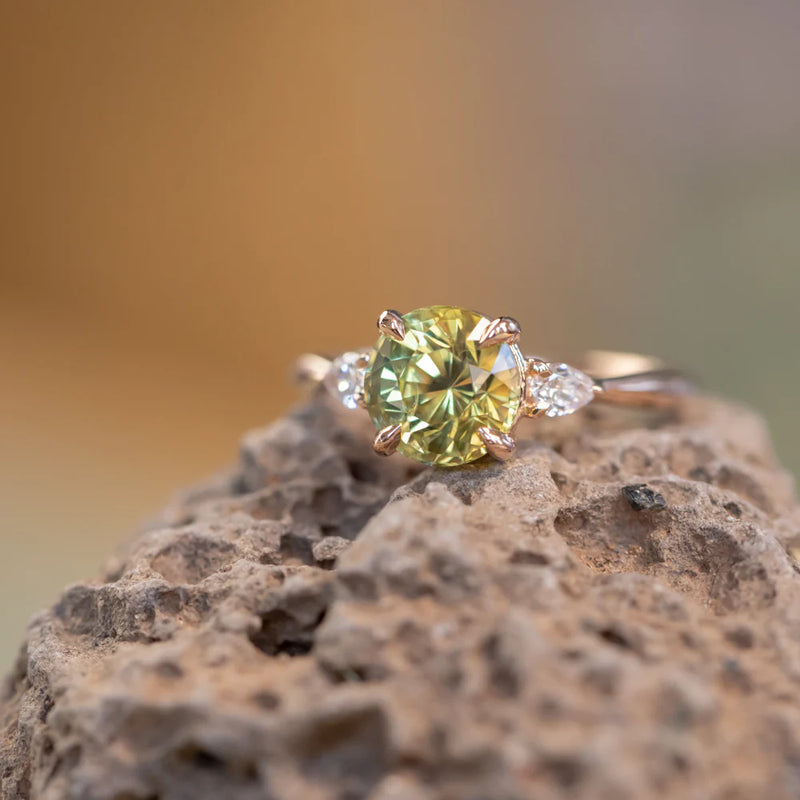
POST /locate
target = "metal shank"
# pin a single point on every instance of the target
(662, 388)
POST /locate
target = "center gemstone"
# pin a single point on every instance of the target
(441, 388)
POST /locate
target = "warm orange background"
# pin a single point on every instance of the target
(192, 193)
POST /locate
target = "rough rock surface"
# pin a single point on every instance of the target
(613, 614)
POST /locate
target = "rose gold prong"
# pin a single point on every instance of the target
(539, 366)
(391, 324)
(500, 445)
(500, 331)
(386, 440)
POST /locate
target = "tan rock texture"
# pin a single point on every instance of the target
(613, 614)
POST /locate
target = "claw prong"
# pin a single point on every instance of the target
(391, 324)
(386, 440)
(503, 330)
(500, 445)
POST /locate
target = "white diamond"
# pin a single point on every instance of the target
(563, 392)
(345, 378)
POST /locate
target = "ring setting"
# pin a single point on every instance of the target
(446, 386)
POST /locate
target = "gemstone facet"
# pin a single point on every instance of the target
(345, 378)
(441, 387)
(563, 391)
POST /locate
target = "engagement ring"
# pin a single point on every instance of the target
(446, 386)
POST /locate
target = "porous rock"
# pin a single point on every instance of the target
(615, 613)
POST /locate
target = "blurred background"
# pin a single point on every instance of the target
(193, 193)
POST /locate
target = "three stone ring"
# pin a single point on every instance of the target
(446, 386)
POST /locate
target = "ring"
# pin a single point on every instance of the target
(446, 386)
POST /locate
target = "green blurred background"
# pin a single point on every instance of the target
(193, 193)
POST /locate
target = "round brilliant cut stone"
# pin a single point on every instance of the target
(440, 387)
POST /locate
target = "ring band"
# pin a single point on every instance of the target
(445, 385)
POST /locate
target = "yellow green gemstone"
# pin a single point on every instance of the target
(441, 388)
